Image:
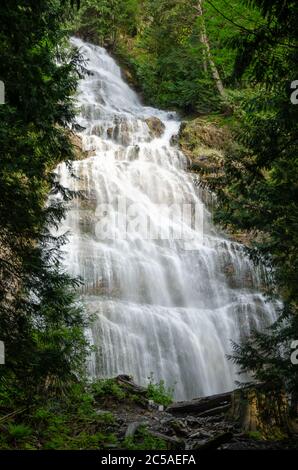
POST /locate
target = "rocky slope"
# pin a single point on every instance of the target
(207, 423)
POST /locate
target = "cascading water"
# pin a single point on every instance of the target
(168, 293)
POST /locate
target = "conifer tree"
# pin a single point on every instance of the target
(41, 324)
(259, 191)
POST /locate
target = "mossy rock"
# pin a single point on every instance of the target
(156, 126)
(199, 133)
(207, 161)
(205, 145)
(76, 141)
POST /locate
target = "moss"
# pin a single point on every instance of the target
(19, 432)
(204, 133)
(255, 435)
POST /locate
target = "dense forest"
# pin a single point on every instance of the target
(227, 66)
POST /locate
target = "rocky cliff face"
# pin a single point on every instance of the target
(207, 144)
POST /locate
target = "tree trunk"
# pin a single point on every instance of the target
(258, 409)
(206, 45)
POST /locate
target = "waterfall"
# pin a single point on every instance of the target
(167, 291)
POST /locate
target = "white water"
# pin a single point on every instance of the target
(161, 305)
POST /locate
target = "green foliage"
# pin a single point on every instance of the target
(101, 21)
(167, 57)
(259, 191)
(41, 323)
(107, 387)
(159, 393)
(255, 435)
(19, 431)
(60, 422)
(161, 42)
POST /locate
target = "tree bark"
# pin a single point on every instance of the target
(258, 409)
(206, 45)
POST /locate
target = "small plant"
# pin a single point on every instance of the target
(107, 387)
(106, 418)
(19, 431)
(42, 414)
(159, 393)
(255, 435)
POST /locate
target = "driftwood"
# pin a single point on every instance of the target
(126, 382)
(10, 415)
(215, 411)
(132, 428)
(200, 405)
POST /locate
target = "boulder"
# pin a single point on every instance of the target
(76, 141)
(156, 126)
(174, 140)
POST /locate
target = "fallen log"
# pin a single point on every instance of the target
(132, 428)
(200, 405)
(133, 389)
(126, 382)
(215, 411)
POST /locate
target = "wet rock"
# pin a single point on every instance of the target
(200, 435)
(156, 126)
(174, 140)
(172, 115)
(192, 421)
(76, 141)
(97, 130)
(229, 269)
(128, 76)
(179, 427)
(86, 223)
(110, 132)
(210, 162)
(199, 133)
(133, 153)
(88, 201)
